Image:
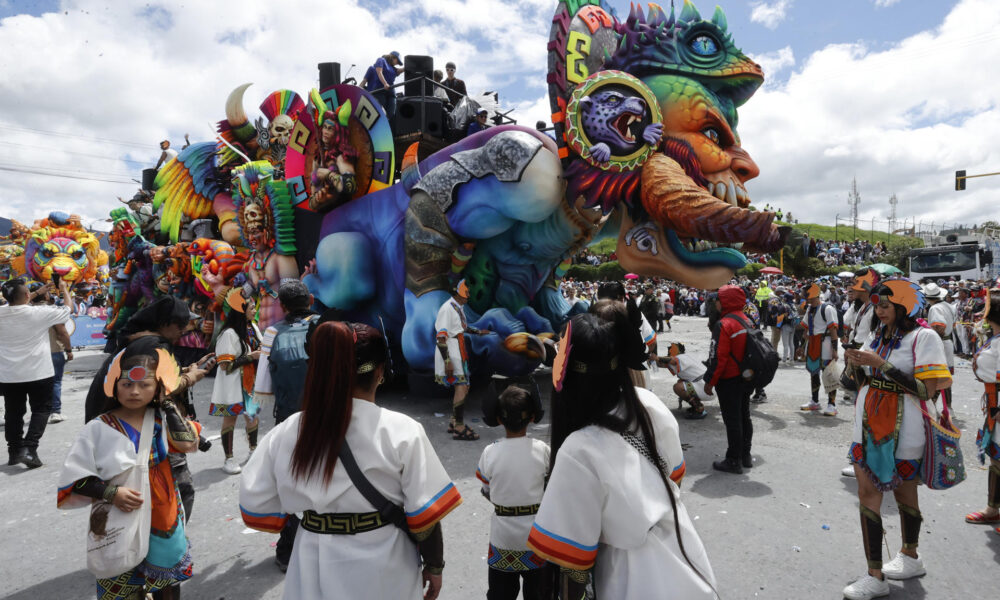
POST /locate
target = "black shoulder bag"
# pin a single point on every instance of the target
(390, 512)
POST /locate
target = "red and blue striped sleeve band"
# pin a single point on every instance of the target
(561, 551)
(266, 522)
(436, 508)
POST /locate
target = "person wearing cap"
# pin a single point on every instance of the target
(941, 317)
(451, 367)
(456, 87)
(820, 324)
(167, 154)
(380, 77)
(479, 123)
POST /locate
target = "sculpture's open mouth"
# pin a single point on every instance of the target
(706, 225)
(623, 126)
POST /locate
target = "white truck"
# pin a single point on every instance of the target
(961, 254)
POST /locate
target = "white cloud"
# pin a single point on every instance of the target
(902, 120)
(140, 73)
(769, 14)
(885, 3)
(774, 62)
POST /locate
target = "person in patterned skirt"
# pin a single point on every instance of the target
(986, 368)
(451, 368)
(237, 350)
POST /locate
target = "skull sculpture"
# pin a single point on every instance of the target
(281, 130)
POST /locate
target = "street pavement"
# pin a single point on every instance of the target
(788, 528)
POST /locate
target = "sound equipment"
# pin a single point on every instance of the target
(415, 67)
(148, 177)
(329, 74)
(419, 114)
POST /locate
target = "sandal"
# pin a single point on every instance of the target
(466, 434)
(981, 518)
(451, 426)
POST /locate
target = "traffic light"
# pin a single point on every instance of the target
(959, 181)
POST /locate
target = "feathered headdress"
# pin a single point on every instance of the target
(254, 184)
(902, 292)
(166, 369)
(866, 282)
(812, 291)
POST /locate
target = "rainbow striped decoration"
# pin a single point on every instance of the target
(561, 551)
(186, 185)
(436, 508)
(282, 102)
(266, 522)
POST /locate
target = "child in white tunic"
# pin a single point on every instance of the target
(612, 504)
(513, 471)
(343, 548)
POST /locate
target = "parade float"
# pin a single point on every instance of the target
(645, 152)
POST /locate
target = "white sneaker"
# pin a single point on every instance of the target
(830, 410)
(847, 471)
(904, 567)
(866, 588)
(231, 466)
(56, 418)
(810, 406)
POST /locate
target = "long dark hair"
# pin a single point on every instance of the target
(237, 321)
(337, 351)
(590, 398)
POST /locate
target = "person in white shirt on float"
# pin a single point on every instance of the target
(26, 369)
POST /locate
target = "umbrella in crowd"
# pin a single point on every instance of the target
(845, 274)
(885, 270)
(772, 271)
(631, 276)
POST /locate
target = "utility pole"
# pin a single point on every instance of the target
(893, 201)
(853, 200)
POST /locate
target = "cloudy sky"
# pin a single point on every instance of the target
(897, 93)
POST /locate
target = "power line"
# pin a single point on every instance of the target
(83, 137)
(49, 148)
(34, 172)
(65, 169)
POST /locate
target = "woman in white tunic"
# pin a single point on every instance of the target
(986, 368)
(237, 350)
(345, 548)
(907, 363)
(612, 506)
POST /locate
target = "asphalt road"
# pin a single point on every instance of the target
(787, 529)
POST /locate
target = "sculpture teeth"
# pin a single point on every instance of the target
(741, 195)
(720, 191)
(710, 187)
(731, 193)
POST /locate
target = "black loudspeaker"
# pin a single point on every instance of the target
(415, 67)
(329, 74)
(419, 114)
(148, 177)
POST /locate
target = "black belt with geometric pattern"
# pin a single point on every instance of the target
(515, 511)
(342, 523)
(889, 386)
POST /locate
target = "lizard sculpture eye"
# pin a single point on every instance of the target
(711, 134)
(704, 45)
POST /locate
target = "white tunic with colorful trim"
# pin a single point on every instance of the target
(451, 323)
(942, 313)
(986, 368)
(232, 393)
(882, 418)
(513, 472)
(605, 507)
(395, 455)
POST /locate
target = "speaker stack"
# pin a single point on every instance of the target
(419, 114)
(415, 67)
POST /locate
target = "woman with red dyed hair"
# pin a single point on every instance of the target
(346, 547)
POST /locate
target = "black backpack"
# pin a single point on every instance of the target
(288, 363)
(760, 360)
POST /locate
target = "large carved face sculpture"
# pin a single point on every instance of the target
(255, 226)
(281, 129)
(62, 252)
